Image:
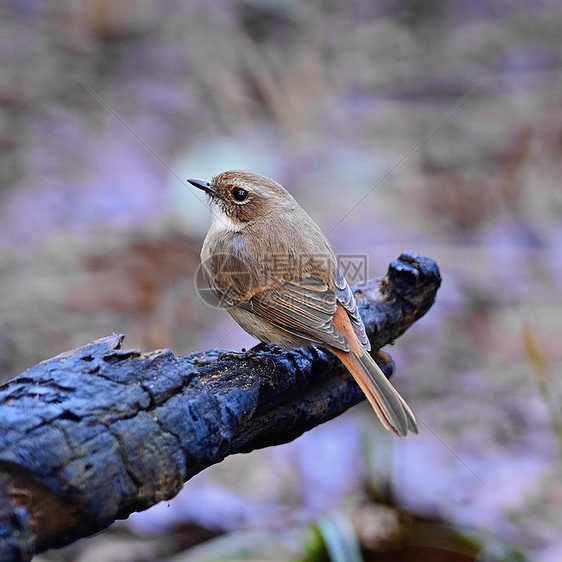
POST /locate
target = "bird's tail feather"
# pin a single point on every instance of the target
(389, 406)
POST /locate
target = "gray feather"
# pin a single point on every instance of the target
(347, 300)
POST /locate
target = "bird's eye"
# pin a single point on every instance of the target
(239, 194)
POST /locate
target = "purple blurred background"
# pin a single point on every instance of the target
(430, 126)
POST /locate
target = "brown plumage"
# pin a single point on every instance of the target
(275, 272)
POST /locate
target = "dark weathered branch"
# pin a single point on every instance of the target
(94, 434)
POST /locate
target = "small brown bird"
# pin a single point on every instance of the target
(275, 272)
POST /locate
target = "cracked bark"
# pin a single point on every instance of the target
(98, 432)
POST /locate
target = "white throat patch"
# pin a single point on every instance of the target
(220, 220)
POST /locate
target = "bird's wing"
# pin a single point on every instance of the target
(303, 307)
(347, 300)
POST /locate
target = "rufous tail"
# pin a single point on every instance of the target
(389, 406)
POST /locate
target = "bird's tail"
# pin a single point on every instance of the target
(389, 406)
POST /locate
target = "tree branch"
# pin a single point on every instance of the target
(98, 432)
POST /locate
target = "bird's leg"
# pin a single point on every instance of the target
(251, 354)
(258, 347)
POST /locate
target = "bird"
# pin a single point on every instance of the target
(273, 269)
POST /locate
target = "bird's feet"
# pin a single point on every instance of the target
(251, 355)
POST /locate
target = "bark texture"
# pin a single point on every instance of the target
(99, 432)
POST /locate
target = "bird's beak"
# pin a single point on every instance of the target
(204, 185)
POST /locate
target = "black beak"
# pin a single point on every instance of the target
(204, 185)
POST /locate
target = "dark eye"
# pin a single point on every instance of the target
(239, 194)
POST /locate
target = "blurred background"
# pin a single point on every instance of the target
(433, 126)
